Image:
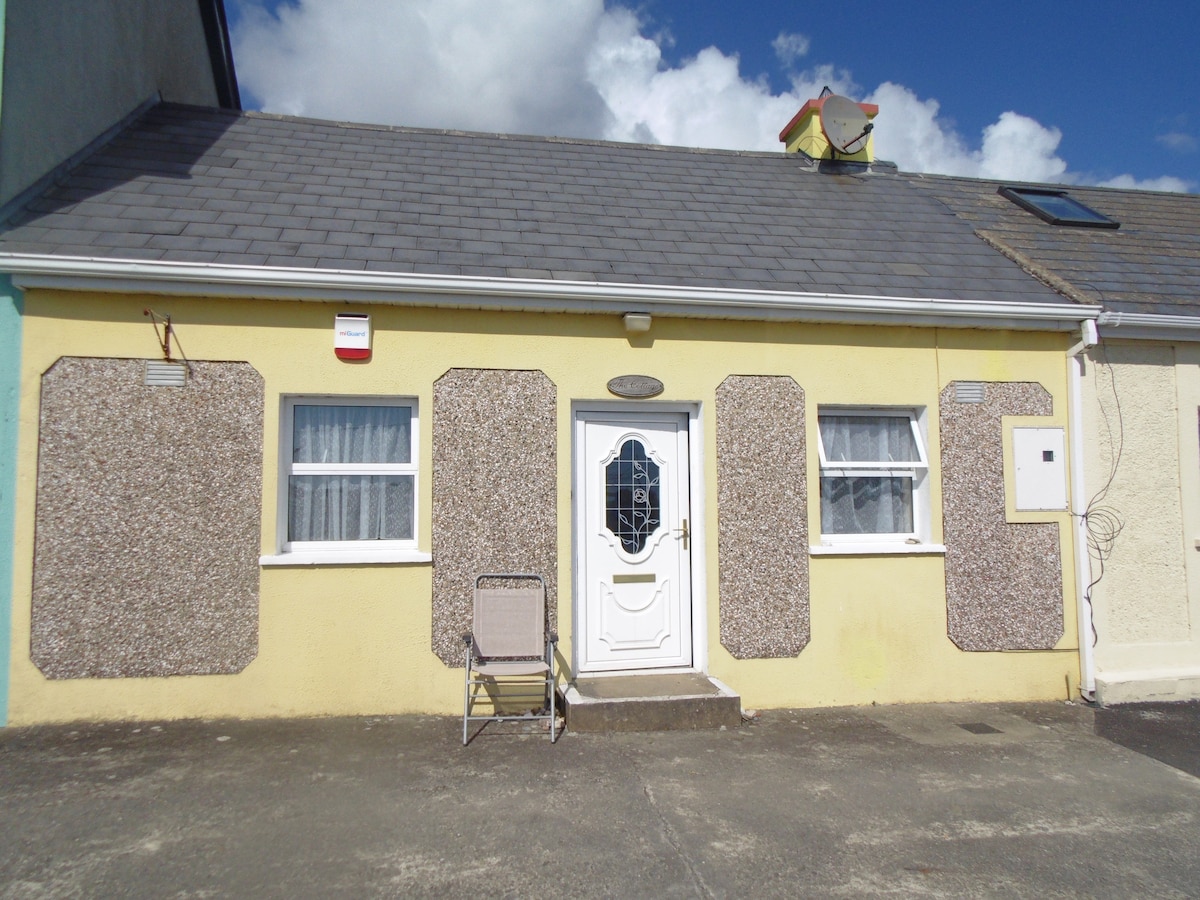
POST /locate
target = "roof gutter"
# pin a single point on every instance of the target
(1145, 326)
(525, 294)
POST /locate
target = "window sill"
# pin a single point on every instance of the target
(866, 549)
(346, 558)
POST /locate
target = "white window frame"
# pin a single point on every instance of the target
(343, 552)
(916, 540)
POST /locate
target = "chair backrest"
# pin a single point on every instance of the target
(510, 622)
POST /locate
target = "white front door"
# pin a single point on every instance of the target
(635, 586)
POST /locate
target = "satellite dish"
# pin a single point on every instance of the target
(844, 124)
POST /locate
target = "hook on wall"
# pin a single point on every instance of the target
(164, 338)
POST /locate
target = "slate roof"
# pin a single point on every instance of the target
(201, 185)
(1151, 264)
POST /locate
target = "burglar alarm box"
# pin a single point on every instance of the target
(1040, 466)
(352, 336)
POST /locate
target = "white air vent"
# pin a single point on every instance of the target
(970, 391)
(165, 374)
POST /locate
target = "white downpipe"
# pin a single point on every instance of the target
(1083, 563)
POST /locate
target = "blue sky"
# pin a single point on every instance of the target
(1096, 93)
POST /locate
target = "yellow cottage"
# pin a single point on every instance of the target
(288, 386)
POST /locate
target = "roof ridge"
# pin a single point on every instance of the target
(1020, 182)
(488, 135)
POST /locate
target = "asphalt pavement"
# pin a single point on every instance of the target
(1027, 800)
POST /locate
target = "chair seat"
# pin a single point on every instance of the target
(519, 667)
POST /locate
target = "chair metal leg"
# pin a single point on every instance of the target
(553, 714)
(467, 696)
(553, 690)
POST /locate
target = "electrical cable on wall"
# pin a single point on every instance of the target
(1102, 523)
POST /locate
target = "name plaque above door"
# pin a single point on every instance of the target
(635, 387)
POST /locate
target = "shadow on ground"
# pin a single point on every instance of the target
(1168, 732)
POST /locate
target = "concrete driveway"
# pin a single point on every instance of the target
(938, 801)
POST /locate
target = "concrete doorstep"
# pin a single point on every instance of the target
(946, 800)
(675, 702)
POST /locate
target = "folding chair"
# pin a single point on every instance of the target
(510, 652)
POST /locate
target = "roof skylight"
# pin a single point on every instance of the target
(1057, 207)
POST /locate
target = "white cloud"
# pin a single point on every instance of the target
(704, 102)
(1014, 147)
(1017, 147)
(1165, 183)
(790, 47)
(503, 65)
(1178, 141)
(583, 69)
(907, 131)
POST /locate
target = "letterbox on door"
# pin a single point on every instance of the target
(1040, 467)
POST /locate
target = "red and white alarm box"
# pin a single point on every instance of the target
(352, 336)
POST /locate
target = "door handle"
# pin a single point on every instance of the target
(684, 534)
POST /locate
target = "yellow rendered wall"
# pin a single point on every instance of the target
(356, 639)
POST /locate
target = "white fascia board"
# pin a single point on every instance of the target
(1148, 327)
(524, 294)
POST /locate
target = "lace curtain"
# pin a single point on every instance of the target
(862, 502)
(351, 506)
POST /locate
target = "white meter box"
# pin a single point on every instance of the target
(1040, 467)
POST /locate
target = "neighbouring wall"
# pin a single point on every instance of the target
(495, 483)
(1003, 579)
(108, 57)
(1142, 415)
(10, 401)
(762, 503)
(1145, 583)
(149, 503)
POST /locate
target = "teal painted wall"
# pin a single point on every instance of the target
(10, 382)
(3, 18)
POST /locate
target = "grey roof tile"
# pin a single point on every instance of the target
(256, 232)
(243, 218)
(122, 239)
(368, 253)
(190, 255)
(340, 262)
(272, 248)
(194, 184)
(349, 238)
(520, 272)
(242, 258)
(324, 250)
(504, 261)
(460, 259)
(395, 241)
(208, 229)
(391, 266)
(292, 261)
(1145, 266)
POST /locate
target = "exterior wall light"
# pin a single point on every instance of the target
(636, 323)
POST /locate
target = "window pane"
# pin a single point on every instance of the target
(631, 497)
(350, 508)
(867, 505)
(868, 439)
(351, 434)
